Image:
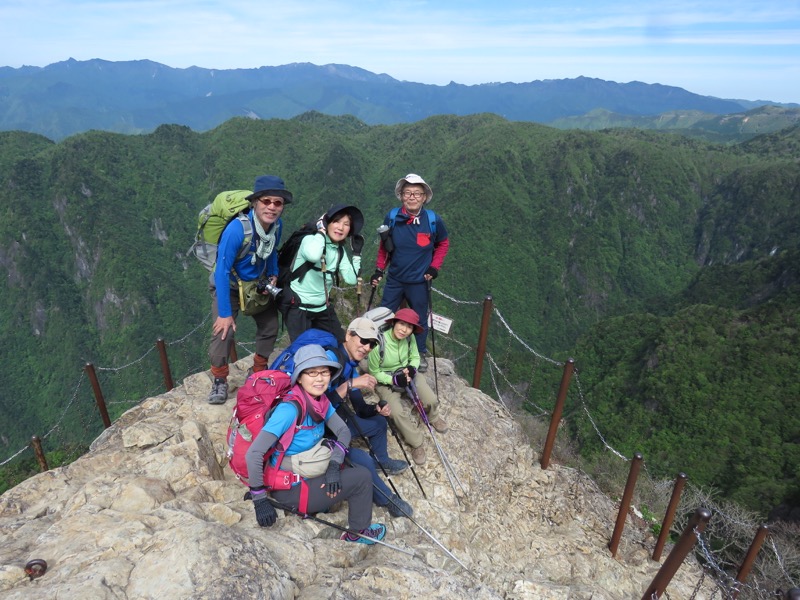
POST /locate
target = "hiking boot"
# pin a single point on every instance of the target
(376, 531)
(423, 362)
(219, 391)
(418, 454)
(398, 507)
(439, 425)
(394, 467)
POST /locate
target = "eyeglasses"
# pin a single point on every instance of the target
(269, 202)
(321, 373)
(415, 195)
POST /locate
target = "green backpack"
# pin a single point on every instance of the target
(214, 218)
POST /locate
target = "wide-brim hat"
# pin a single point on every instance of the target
(356, 217)
(408, 315)
(270, 185)
(313, 355)
(412, 179)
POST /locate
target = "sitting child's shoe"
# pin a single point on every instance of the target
(394, 467)
(439, 425)
(398, 507)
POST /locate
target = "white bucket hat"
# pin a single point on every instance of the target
(413, 179)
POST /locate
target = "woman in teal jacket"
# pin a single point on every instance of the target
(310, 304)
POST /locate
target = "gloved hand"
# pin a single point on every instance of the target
(411, 372)
(333, 478)
(357, 242)
(433, 272)
(399, 379)
(376, 277)
(265, 512)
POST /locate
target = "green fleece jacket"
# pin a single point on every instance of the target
(397, 354)
(311, 290)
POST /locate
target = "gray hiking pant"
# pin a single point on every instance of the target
(408, 425)
(266, 330)
(356, 489)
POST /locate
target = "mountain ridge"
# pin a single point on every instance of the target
(71, 96)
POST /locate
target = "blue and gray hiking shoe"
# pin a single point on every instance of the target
(398, 507)
(394, 466)
(219, 391)
(376, 531)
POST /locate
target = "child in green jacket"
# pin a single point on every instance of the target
(398, 368)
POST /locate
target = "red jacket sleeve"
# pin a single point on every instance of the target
(439, 252)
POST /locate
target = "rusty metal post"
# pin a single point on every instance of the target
(625, 504)
(675, 559)
(749, 559)
(37, 450)
(162, 352)
(482, 337)
(98, 394)
(666, 524)
(555, 419)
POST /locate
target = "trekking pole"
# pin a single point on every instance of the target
(383, 403)
(371, 296)
(448, 467)
(433, 338)
(324, 269)
(430, 535)
(352, 416)
(302, 515)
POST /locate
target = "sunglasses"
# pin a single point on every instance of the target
(269, 202)
(363, 342)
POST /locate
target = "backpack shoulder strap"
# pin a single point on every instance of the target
(247, 226)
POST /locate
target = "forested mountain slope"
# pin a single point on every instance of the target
(568, 230)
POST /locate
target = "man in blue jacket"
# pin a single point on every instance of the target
(413, 246)
(258, 262)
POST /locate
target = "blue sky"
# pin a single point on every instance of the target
(742, 49)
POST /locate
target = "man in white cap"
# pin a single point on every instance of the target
(414, 246)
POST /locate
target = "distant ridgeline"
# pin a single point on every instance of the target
(70, 97)
(667, 267)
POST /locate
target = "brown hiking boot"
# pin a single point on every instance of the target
(439, 425)
(418, 454)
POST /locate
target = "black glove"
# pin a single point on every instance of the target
(333, 478)
(265, 512)
(399, 379)
(357, 242)
(411, 372)
(433, 272)
(376, 277)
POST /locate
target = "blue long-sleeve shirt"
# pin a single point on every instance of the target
(230, 245)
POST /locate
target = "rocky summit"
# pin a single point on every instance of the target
(151, 511)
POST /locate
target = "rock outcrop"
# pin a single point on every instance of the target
(152, 512)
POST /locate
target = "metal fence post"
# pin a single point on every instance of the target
(98, 394)
(749, 559)
(482, 337)
(625, 504)
(162, 352)
(37, 450)
(555, 419)
(675, 559)
(669, 517)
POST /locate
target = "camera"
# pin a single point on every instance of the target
(264, 286)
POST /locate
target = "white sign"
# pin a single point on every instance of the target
(440, 323)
